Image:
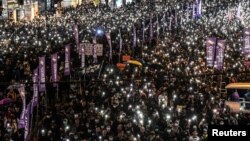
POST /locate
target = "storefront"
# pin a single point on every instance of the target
(29, 11)
(4, 5)
(13, 11)
(74, 3)
(10, 10)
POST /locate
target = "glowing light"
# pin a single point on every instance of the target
(67, 127)
(194, 117)
(99, 32)
(168, 117)
(215, 110)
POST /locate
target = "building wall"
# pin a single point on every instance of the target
(4, 12)
(66, 3)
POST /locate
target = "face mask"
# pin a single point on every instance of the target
(108, 128)
(9, 130)
(110, 138)
(65, 122)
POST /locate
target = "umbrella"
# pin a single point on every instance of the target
(14, 86)
(121, 66)
(6, 101)
(135, 62)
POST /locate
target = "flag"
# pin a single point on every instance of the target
(194, 12)
(199, 9)
(246, 43)
(220, 54)
(94, 40)
(143, 32)
(157, 27)
(151, 29)
(176, 18)
(95, 53)
(94, 49)
(163, 20)
(170, 22)
(82, 55)
(210, 51)
(229, 14)
(35, 89)
(110, 46)
(54, 69)
(67, 60)
(27, 122)
(42, 79)
(76, 35)
(238, 15)
(21, 91)
(134, 36)
(187, 13)
(120, 48)
(181, 20)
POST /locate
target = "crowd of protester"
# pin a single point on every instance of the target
(173, 96)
